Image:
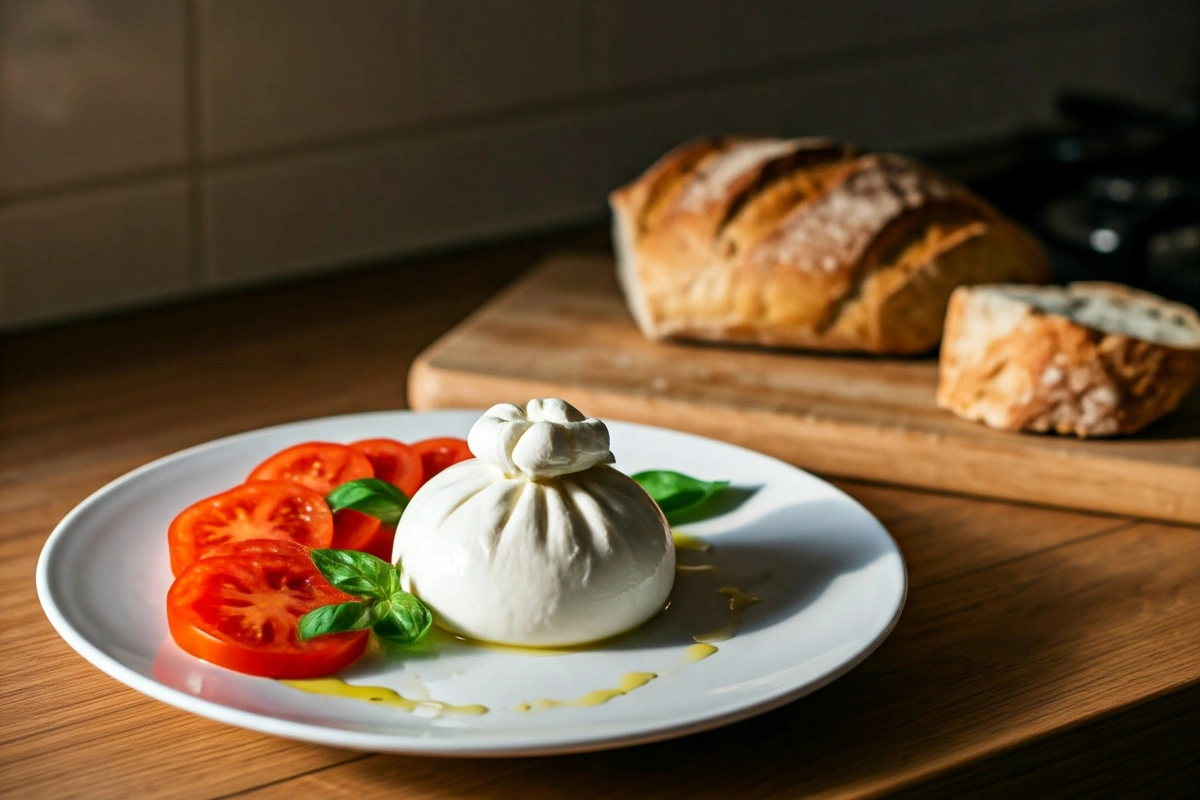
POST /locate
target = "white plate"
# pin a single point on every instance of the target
(831, 581)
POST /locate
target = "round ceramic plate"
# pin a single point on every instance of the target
(829, 580)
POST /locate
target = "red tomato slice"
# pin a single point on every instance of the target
(320, 466)
(241, 547)
(437, 454)
(353, 530)
(380, 545)
(243, 612)
(394, 462)
(261, 510)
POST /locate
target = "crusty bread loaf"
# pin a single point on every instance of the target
(1092, 359)
(799, 243)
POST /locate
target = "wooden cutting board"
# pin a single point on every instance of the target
(563, 331)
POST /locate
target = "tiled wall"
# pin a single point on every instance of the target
(152, 148)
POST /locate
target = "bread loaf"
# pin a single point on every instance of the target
(800, 243)
(1091, 359)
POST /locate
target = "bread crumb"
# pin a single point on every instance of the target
(1104, 395)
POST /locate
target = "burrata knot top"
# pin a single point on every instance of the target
(545, 439)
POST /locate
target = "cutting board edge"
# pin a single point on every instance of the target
(825, 442)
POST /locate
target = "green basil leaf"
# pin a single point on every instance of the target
(402, 619)
(675, 492)
(337, 618)
(359, 574)
(371, 496)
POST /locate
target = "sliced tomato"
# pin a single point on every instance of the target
(243, 612)
(260, 510)
(259, 546)
(394, 462)
(320, 466)
(353, 530)
(437, 454)
(361, 532)
(380, 545)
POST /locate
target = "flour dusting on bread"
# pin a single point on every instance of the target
(837, 228)
(715, 176)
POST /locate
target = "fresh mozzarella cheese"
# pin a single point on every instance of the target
(538, 542)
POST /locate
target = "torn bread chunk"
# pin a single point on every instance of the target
(1089, 359)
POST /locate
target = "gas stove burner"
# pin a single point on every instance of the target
(1143, 230)
(1106, 209)
(1101, 215)
(1078, 222)
(1129, 191)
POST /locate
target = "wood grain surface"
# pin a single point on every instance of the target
(1043, 652)
(564, 331)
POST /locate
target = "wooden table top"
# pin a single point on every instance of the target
(1040, 651)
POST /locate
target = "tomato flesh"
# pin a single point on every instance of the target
(243, 612)
(261, 510)
(394, 462)
(321, 466)
(353, 530)
(380, 545)
(437, 454)
(258, 546)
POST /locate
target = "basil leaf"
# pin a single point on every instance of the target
(337, 618)
(402, 619)
(371, 496)
(674, 491)
(359, 574)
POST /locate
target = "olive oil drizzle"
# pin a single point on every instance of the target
(380, 695)
(739, 601)
(698, 652)
(684, 541)
(628, 682)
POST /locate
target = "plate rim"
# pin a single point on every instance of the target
(403, 743)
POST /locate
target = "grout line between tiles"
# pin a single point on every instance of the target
(172, 169)
(194, 120)
(419, 11)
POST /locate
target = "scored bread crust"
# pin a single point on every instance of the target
(1028, 369)
(801, 243)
